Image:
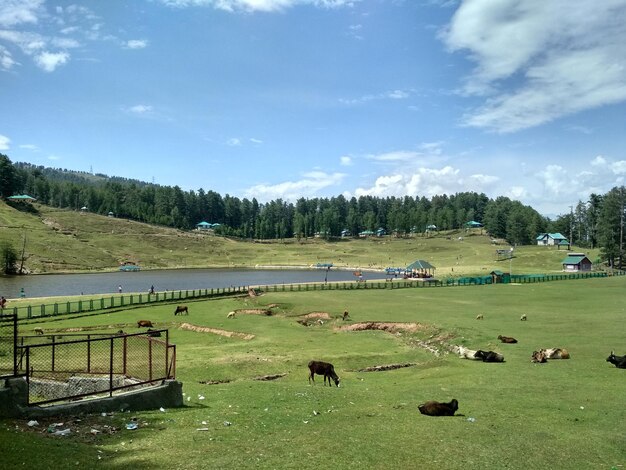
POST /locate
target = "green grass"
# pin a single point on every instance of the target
(67, 241)
(566, 414)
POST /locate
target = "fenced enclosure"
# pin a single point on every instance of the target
(8, 342)
(79, 367)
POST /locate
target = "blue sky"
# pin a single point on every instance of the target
(306, 98)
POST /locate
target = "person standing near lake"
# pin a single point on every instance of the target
(119, 289)
(22, 293)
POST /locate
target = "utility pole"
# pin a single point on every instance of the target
(571, 226)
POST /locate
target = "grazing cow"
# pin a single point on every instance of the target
(489, 356)
(539, 357)
(345, 316)
(230, 315)
(523, 317)
(38, 330)
(181, 309)
(435, 408)
(555, 353)
(507, 339)
(144, 324)
(479, 316)
(153, 333)
(618, 361)
(466, 353)
(323, 368)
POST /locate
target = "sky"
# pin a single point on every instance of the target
(272, 99)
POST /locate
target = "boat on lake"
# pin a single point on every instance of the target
(129, 266)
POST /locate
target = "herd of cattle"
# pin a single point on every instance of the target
(430, 408)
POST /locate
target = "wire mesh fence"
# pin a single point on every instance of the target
(8, 341)
(75, 368)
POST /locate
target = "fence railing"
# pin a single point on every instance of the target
(62, 370)
(8, 351)
(117, 301)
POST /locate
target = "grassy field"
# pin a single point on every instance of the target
(67, 241)
(566, 414)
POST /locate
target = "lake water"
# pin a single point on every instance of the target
(46, 285)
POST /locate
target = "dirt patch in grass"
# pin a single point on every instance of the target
(386, 367)
(270, 377)
(391, 327)
(216, 331)
(254, 311)
(320, 315)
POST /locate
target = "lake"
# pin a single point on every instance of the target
(47, 285)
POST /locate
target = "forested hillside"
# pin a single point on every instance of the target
(594, 223)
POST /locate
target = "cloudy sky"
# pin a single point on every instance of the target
(305, 98)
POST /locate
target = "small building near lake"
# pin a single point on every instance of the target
(577, 262)
(552, 239)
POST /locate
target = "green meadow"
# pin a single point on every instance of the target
(565, 414)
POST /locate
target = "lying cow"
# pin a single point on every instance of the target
(523, 317)
(323, 368)
(435, 408)
(345, 316)
(144, 324)
(507, 339)
(466, 353)
(181, 309)
(618, 361)
(555, 353)
(538, 357)
(489, 356)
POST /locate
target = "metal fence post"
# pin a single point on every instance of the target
(111, 370)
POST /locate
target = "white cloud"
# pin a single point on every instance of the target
(4, 142)
(345, 160)
(387, 95)
(15, 12)
(539, 61)
(308, 186)
(233, 142)
(6, 59)
(256, 141)
(49, 61)
(140, 109)
(136, 44)
(257, 5)
(32, 147)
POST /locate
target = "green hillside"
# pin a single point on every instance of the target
(67, 241)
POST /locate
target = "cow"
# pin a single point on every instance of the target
(618, 361)
(479, 316)
(435, 408)
(230, 315)
(555, 353)
(345, 316)
(523, 317)
(489, 356)
(539, 357)
(507, 339)
(144, 324)
(466, 353)
(323, 368)
(181, 309)
(153, 333)
(38, 330)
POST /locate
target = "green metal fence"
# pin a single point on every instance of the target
(117, 301)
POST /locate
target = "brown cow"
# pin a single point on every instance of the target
(181, 309)
(555, 353)
(507, 339)
(144, 324)
(435, 408)
(323, 368)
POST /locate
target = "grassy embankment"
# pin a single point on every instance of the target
(66, 241)
(561, 415)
